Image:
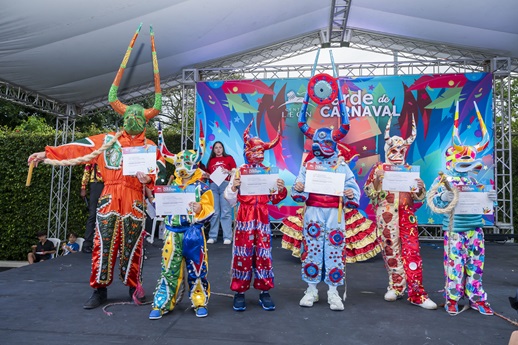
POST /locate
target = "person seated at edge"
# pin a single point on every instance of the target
(41, 251)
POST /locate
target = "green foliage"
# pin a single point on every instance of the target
(25, 210)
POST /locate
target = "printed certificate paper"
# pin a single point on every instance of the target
(218, 176)
(259, 181)
(473, 200)
(139, 158)
(171, 200)
(400, 178)
(324, 180)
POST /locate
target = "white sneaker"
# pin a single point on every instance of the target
(391, 295)
(427, 304)
(334, 300)
(227, 241)
(310, 297)
(211, 241)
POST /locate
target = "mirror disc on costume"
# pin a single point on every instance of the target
(323, 88)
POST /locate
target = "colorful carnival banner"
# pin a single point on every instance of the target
(227, 107)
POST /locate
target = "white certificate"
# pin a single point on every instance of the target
(473, 200)
(171, 200)
(258, 181)
(322, 180)
(218, 176)
(400, 178)
(140, 158)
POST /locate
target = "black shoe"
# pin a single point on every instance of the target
(514, 301)
(98, 297)
(87, 249)
(265, 300)
(239, 302)
(132, 291)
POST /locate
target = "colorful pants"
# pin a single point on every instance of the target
(120, 214)
(178, 253)
(464, 265)
(252, 253)
(323, 244)
(402, 257)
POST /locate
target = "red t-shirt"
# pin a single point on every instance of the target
(227, 163)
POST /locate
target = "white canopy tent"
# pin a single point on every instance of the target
(61, 56)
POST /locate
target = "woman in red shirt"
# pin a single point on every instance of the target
(220, 159)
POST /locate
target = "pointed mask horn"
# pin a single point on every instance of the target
(455, 133)
(117, 105)
(388, 138)
(168, 156)
(341, 131)
(201, 146)
(152, 112)
(412, 136)
(271, 144)
(485, 135)
(246, 134)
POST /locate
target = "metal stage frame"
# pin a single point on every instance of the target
(423, 56)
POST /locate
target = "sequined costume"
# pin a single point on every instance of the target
(184, 242)
(397, 226)
(252, 253)
(464, 248)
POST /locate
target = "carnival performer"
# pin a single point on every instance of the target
(252, 253)
(184, 242)
(324, 226)
(120, 212)
(464, 248)
(361, 242)
(397, 225)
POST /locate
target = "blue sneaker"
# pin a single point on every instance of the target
(201, 311)
(265, 300)
(239, 302)
(156, 314)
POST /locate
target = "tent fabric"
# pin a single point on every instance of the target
(70, 51)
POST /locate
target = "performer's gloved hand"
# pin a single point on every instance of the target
(491, 195)
(447, 196)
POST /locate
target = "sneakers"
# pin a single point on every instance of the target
(201, 311)
(265, 300)
(334, 300)
(451, 307)
(156, 314)
(391, 295)
(227, 241)
(99, 296)
(482, 307)
(132, 292)
(239, 302)
(310, 297)
(426, 304)
(211, 241)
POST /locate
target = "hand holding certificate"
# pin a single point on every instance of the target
(400, 178)
(259, 181)
(171, 200)
(218, 176)
(324, 180)
(139, 158)
(473, 200)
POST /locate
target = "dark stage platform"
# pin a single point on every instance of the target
(42, 304)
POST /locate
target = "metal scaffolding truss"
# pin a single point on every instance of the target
(502, 115)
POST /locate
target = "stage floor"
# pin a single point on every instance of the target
(42, 304)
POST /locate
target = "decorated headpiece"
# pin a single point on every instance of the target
(255, 147)
(461, 158)
(135, 116)
(185, 162)
(323, 89)
(396, 147)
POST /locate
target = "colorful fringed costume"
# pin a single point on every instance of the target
(252, 253)
(397, 225)
(361, 242)
(184, 242)
(120, 210)
(324, 235)
(464, 248)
